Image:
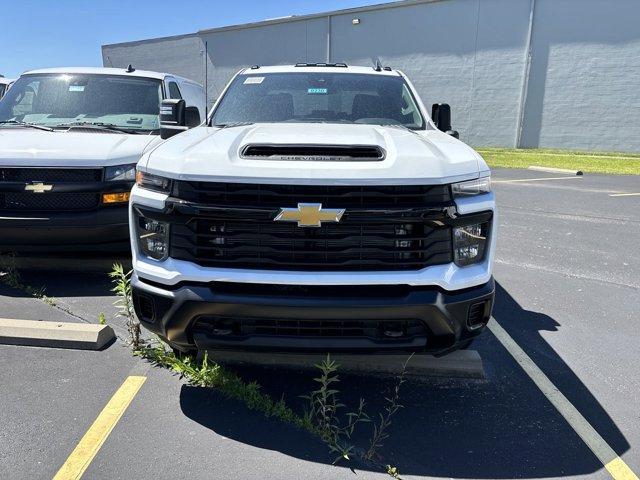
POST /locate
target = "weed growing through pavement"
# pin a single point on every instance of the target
(324, 414)
(10, 276)
(122, 288)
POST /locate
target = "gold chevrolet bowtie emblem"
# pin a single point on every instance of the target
(309, 215)
(38, 187)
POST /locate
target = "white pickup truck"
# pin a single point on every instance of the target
(320, 209)
(70, 139)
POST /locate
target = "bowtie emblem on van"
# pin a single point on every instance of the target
(309, 215)
(38, 187)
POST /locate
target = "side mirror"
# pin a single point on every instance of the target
(192, 117)
(172, 117)
(441, 116)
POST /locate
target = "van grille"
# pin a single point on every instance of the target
(27, 201)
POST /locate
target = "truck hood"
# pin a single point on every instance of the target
(412, 157)
(36, 148)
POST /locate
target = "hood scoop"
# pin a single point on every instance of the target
(314, 153)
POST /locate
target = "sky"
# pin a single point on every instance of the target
(69, 33)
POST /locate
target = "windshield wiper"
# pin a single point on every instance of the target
(26, 124)
(233, 124)
(101, 126)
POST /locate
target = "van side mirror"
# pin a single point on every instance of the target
(172, 117)
(441, 116)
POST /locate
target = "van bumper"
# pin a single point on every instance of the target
(292, 318)
(106, 228)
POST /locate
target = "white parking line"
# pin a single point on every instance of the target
(616, 467)
(536, 179)
(624, 194)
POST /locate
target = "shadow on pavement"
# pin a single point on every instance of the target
(500, 427)
(62, 276)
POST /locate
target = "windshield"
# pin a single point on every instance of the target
(319, 98)
(60, 99)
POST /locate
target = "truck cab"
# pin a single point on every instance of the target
(70, 139)
(320, 209)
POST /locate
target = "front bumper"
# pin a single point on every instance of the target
(347, 319)
(106, 227)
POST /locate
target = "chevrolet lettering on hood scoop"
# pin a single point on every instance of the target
(314, 153)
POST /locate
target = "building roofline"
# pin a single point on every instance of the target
(280, 20)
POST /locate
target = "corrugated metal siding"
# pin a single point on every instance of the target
(584, 74)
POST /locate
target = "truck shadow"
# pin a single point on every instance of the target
(500, 427)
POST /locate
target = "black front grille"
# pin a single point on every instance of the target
(392, 330)
(261, 195)
(345, 246)
(383, 228)
(49, 201)
(50, 175)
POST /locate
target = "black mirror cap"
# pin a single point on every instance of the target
(172, 117)
(441, 116)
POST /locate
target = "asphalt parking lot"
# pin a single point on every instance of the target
(567, 270)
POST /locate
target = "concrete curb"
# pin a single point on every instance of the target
(462, 363)
(82, 336)
(555, 170)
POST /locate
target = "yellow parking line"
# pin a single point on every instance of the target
(95, 437)
(624, 194)
(601, 449)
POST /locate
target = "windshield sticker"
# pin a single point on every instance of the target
(253, 80)
(76, 88)
(316, 91)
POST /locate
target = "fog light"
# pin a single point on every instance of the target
(109, 198)
(469, 243)
(153, 238)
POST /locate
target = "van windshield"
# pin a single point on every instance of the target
(312, 97)
(55, 100)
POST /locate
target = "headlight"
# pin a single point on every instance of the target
(469, 243)
(153, 182)
(120, 173)
(473, 187)
(153, 237)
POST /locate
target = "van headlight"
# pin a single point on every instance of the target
(469, 243)
(153, 237)
(120, 173)
(471, 188)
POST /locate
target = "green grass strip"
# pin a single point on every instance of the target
(593, 162)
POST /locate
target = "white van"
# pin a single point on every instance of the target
(70, 139)
(4, 84)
